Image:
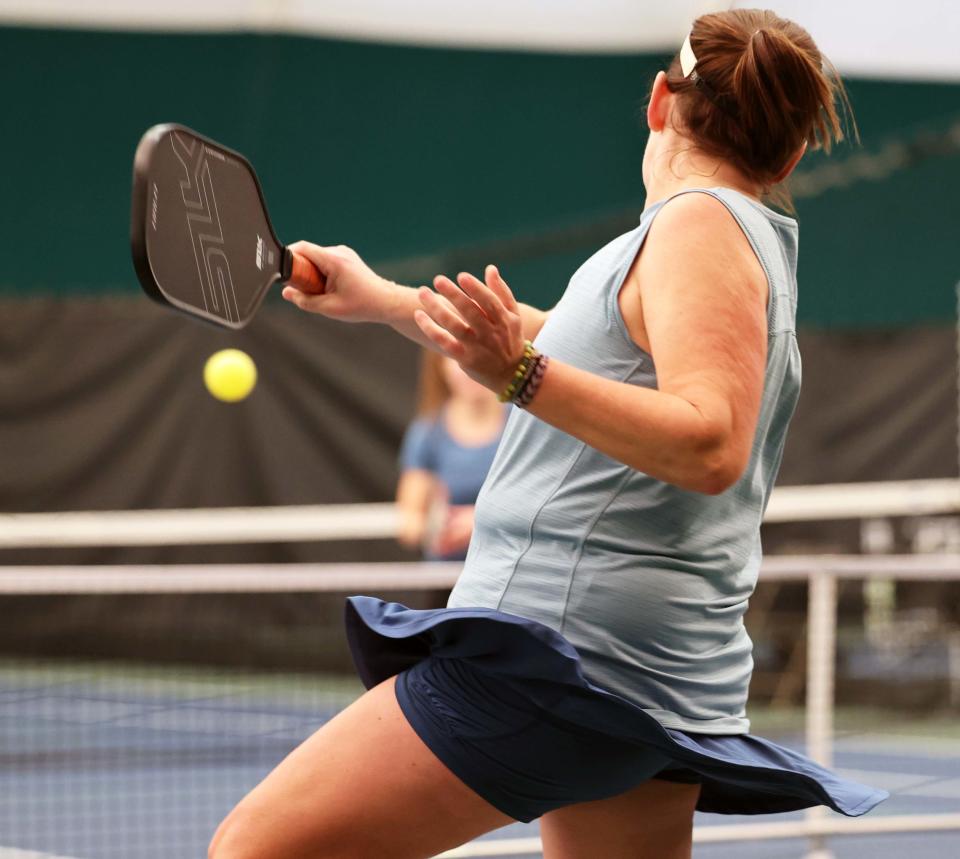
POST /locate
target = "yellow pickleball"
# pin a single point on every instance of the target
(230, 375)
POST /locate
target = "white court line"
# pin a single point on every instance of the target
(17, 853)
(907, 784)
(944, 789)
(894, 745)
(894, 782)
(729, 832)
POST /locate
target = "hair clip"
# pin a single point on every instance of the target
(688, 66)
(688, 60)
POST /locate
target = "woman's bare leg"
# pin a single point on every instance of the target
(651, 821)
(364, 785)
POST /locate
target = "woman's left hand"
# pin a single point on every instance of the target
(477, 324)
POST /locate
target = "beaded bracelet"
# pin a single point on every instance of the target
(526, 379)
(532, 384)
(520, 374)
(531, 366)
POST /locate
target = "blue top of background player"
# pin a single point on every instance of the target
(429, 445)
(446, 454)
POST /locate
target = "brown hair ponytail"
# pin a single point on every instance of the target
(761, 91)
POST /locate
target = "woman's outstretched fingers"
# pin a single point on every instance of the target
(466, 306)
(441, 311)
(484, 297)
(499, 287)
(440, 337)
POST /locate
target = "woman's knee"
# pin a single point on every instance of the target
(250, 834)
(218, 849)
(365, 785)
(235, 838)
(245, 837)
(215, 848)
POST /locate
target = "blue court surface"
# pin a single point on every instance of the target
(102, 764)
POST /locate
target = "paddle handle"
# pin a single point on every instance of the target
(298, 271)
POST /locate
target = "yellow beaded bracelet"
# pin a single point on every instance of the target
(519, 374)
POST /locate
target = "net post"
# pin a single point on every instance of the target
(957, 290)
(821, 655)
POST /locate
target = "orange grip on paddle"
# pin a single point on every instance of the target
(304, 275)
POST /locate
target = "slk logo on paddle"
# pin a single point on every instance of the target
(203, 224)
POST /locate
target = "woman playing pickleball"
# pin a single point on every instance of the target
(591, 668)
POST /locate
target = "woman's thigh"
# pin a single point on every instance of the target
(364, 785)
(651, 821)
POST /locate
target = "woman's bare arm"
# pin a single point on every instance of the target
(355, 293)
(415, 492)
(704, 298)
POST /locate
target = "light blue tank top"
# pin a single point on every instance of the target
(648, 581)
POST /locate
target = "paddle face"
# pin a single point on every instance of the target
(201, 238)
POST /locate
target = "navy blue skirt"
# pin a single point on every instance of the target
(503, 702)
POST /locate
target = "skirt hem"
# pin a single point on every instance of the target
(740, 773)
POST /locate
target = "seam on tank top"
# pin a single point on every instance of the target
(576, 564)
(589, 531)
(533, 522)
(583, 446)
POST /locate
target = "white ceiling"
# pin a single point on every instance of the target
(875, 38)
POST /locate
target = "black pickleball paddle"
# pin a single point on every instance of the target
(200, 234)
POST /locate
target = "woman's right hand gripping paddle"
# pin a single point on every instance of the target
(353, 293)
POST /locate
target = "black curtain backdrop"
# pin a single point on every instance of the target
(102, 407)
(875, 405)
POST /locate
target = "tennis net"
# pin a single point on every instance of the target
(156, 697)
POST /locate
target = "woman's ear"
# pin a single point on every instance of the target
(793, 162)
(658, 108)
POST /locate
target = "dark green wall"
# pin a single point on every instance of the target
(402, 151)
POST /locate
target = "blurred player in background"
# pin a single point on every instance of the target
(446, 454)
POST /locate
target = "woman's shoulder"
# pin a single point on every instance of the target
(700, 225)
(711, 217)
(709, 207)
(698, 253)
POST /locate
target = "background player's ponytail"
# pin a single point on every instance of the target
(761, 90)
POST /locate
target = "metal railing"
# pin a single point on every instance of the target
(379, 521)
